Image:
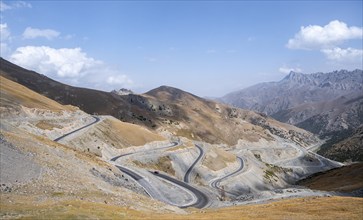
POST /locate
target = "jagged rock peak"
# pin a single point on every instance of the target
(122, 91)
(297, 77)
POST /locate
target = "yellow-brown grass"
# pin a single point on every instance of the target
(45, 125)
(210, 121)
(302, 208)
(218, 159)
(163, 164)
(128, 134)
(12, 92)
(50, 143)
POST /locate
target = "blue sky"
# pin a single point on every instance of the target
(208, 48)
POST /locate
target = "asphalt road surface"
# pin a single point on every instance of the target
(187, 174)
(149, 189)
(131, 173)
(65, 135)
(215, 183)
(202, 199)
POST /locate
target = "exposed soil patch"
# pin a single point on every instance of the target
(163, 164)
(46, 125)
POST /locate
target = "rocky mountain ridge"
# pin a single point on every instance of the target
(296, 89)
(337, 80)
(122, 91)
(327, 104)
(165, 109)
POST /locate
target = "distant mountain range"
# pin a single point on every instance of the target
(297, 89)
(327, 104)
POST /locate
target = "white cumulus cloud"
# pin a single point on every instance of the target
(31, 33)
(330, 35)
(64, 62)
(14, 5)
(284, 69)
(70, 65)
(343, 55)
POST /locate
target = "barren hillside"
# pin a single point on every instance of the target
(165, 109)
(59, 156)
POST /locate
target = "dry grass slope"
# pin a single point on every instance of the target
(14, 93)
(111, 131)
(217, 159)
(163, 164)
(343, 179)
(303, 208)
(135, 135)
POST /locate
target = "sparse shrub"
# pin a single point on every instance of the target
(258, 157)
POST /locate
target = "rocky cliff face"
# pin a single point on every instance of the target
(296, 89)
(351, 148)
(122, 91)
(319, 102)
(327, 104)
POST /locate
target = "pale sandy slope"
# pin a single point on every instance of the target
(36, 170)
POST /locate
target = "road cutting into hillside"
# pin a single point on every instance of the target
(97, 119)
(174, 144)
(149, 189)
(215, 183)
(189, 171)
(191, 195)
(201, 199)
(302, 152)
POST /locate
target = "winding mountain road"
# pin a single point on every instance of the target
(302, 152)
(149, 189)
(174, 144)
(187, 174)
(97, 119)
(202, 199)
(215, 183)
(131, 173)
